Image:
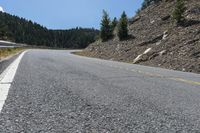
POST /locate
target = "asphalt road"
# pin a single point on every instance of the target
(57, 92)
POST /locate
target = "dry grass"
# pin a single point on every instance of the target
(5, 52)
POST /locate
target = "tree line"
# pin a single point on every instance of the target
(20, 30)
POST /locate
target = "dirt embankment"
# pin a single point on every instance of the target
(156, 41)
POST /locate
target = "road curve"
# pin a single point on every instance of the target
(58, 92)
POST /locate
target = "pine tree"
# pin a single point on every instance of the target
(179, 11)
(123, 27)
(106, 30)
(147, 3)
(114, 24)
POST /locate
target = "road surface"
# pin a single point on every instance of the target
(58, 92)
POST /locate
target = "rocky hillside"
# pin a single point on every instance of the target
(156, 41)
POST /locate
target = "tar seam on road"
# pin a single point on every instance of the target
(6, 79)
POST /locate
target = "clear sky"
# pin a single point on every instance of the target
(65, 14)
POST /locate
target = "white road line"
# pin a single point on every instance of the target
(6, 78)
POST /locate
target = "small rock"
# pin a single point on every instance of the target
(152, 21)
(137, 59)
(162, 52)
(165, 32)
(158, 43)
(147, 51)
(165, 35)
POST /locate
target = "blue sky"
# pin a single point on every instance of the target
(65, 14)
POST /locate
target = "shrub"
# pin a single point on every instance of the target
(179, 11)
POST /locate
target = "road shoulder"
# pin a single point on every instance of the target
(4, 63)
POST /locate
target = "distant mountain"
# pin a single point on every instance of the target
(156, 40)
(20, 30)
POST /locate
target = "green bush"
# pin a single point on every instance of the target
(179, 11)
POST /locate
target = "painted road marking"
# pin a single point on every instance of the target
(6, 79)
(171, 78)
(162, 76)
(153, 74)
(186, 81)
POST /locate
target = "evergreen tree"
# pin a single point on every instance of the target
(179, 11)
(123, 27)
(114, 24)
(106, 30)
(147, 3)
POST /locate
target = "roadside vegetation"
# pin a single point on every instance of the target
(106, 27)
(179, 11)
(109, 27)
(122, 29)
(147, 3)
(5, 52)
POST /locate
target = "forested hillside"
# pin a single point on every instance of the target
(21, 30)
